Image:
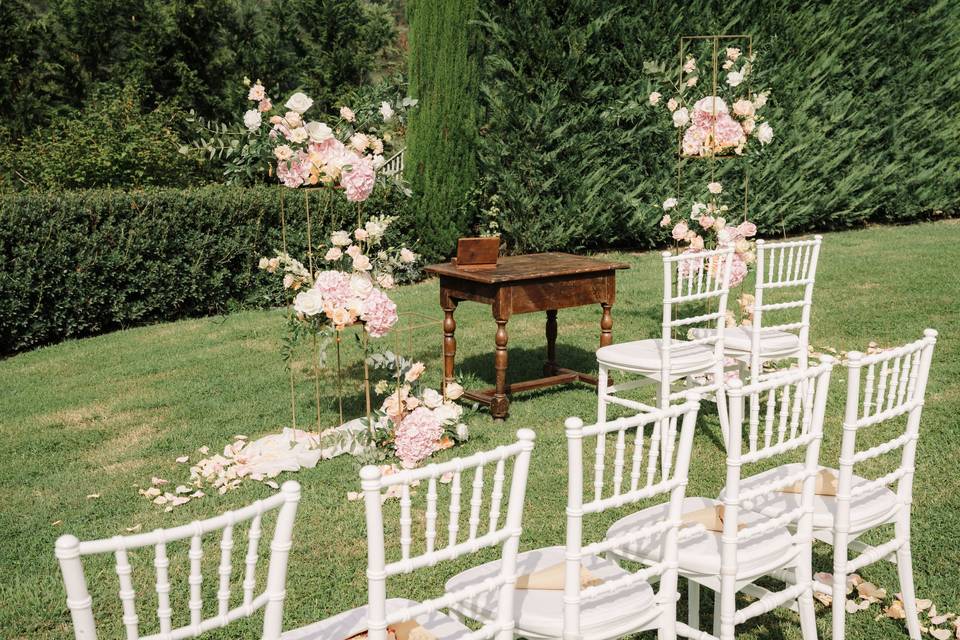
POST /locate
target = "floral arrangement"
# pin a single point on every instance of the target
(414, 421)
(350, 288)
(708, 217)
(714, 124)
(341, 152)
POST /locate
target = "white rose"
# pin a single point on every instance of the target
(385, 280)
(665, 221)
(378, 161)
(714, 187)
(759, 100)
(386, 111)
(719, 224)
(431, 398)
(734, 78)
(655, 98)
(697, 208)
(298, 135)
(407, 256)
(283, 152)
(340, 238)
(681, 117)
(743, 108)
(764, 133)
(334, 253)
(361, 284)
(728, 65)
(309, 302)
(318, 131)
(453, 390)
(711, 104)
(672, 104)
(264, 262)
(448, 412)
(669, 203)
(252, 120)
(299, 102)
(690, 64)
(376, 145)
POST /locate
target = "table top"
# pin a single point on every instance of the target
(533, 266)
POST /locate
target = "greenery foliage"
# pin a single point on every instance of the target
(78, 263)
(441, 152)
(863, 109)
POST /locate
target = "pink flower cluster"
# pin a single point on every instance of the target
(416, 437)
(713, 130)
(379, 313)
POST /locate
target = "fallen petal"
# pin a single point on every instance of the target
(353, 496)
(159, 482)
(93, 496)
(272, 484)
(941, 634)
(823, 598)
(923, 603)
(183, 489)
(204, 450)
(134, 528)
(56, 522)
(183, 459)
(197, 494)
(895, 610)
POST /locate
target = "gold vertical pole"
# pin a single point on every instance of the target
(339, 379)
(366, 379)
(293, 394)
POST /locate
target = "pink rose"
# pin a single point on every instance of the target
(265, 105)
(747, 229)
(706, 221)
(680, 231)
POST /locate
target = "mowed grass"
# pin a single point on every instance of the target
(104, 415)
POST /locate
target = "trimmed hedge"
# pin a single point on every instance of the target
(79, 263)
(864, 110)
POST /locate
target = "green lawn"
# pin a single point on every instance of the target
(103, 415)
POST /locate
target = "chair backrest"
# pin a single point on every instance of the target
(893, 389)
(651, 436)
(480, 534)
(69, 551)
(787, 267)
(701, 278)
(793, 405)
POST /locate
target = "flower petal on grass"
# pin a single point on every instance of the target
(158, 482)
(183, 459)
(941, 634)
(272, 484)
(134, 528)
(181, 488)
(895, 610)
(93, 496)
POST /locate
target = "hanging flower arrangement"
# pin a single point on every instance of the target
(714, 118)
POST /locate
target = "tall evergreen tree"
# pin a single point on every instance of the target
(441, 140)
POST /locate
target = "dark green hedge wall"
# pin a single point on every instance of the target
(864, 108)
(79, 263)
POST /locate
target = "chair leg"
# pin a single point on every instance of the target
(839, 605)
(905, 573)
(602, 379)
(693, 604)
(808, 615)
(717, 602)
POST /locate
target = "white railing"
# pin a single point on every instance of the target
(393, 165)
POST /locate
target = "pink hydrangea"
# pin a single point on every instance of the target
(294, 172)
(379, 313)
(738, 269)
(415, 439)
(325, 152)
(723, 131)
(335, 287)
(359, 180)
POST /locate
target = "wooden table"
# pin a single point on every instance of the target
(523, 284)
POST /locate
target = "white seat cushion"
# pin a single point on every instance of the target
(540, 612)
(700, 554)
(644, 356)
(352, 622)
(867, 510)
(740, 340)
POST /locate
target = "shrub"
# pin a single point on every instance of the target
(441, 154)
(111, 143)
(572, 156)
(84, 262)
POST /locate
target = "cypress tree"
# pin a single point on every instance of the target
(441, 161)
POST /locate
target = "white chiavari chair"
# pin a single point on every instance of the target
(782, 269)
(745, 545)
(623, 601)
(229, 607)
(483, 530)
(887, 401)
(695, 291)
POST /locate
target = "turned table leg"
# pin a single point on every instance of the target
(449, 340)
(606, 326)
(550, 367)
(500, 405)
